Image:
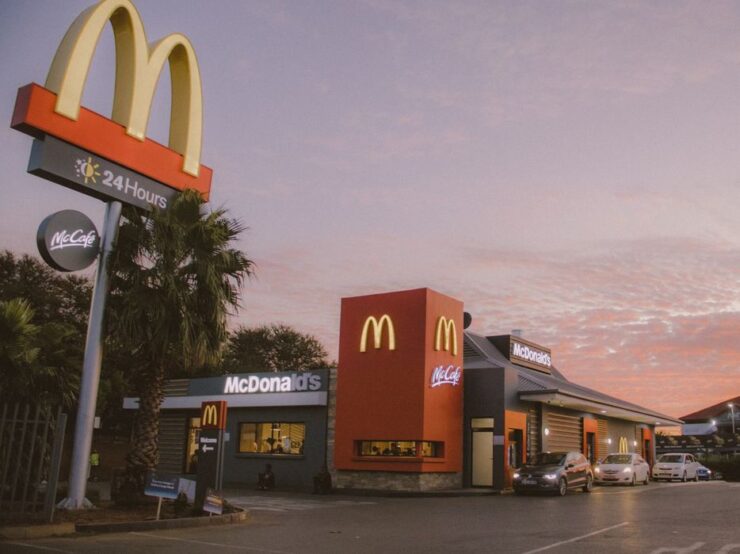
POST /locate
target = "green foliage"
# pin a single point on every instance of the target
(728, 466)
(44, 322)
(273, 348)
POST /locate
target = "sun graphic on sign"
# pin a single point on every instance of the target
(87, 169)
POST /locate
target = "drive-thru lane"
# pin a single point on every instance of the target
(661, 518)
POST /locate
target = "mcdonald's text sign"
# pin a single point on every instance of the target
(213, 415)
(55, 110)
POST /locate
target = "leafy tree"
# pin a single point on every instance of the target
(34, 359)
(273, 348)
(46, 313)
(175, 279)
(53, 297)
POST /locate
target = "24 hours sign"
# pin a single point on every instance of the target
(85, 172)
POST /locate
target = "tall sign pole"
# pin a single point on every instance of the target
(91, 367)
(111, 159)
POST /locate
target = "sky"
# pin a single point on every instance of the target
(567, 168)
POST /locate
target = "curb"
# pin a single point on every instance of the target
(21, 532)
(36, 531)
(128, 526)
(421, 494)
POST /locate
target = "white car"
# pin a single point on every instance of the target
(624, 469)
(676, 466)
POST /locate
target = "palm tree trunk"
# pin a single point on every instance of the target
(144, 452)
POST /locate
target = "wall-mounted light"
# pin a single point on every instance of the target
(603, 411)
(634, 443)
(547, 431)
(714, 422)
(608, 441)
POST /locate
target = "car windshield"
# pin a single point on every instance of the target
(671, 459)
(618, 459)
(548, 458)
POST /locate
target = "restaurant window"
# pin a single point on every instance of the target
(272, 438)
(427, 449)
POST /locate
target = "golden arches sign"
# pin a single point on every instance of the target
(447, 327)
(137, 71)
(210, 415)
(377, 326)
(623, 445)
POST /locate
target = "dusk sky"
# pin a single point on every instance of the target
(571, 169)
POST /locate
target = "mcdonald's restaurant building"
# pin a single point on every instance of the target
(275, 418)
(422, 404)
(417, 403)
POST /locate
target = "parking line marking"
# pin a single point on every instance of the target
(38, 547)
(224, 545)
(574, 539)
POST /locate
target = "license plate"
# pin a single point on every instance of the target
(610, 478)
(529, 482)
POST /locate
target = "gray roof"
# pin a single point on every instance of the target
(480, 353)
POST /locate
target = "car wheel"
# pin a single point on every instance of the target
(634, 480)
(588, 487)
(684, 478)
(562, 487)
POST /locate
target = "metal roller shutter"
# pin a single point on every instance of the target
(602, 446)
(566, 433)
(172, 437)
(533, 432)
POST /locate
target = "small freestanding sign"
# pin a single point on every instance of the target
(210, 449)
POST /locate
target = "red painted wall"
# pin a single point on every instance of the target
(385, 394)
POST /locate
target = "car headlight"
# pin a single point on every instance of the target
(550, 476)
(597, 470)
(517, 476)
(627, 470)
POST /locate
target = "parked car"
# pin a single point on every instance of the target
(676, 466)
(704, 473)
(554, 472)
(624, 469)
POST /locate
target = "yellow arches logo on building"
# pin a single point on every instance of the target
(137, 71)
(623, 445)
(378, 325)
(209, 416)
(447, 327)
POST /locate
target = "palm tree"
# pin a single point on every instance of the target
(175, 279)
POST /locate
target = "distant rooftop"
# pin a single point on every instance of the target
(712, 411)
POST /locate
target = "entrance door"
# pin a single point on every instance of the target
(591, 447)
(482, 474)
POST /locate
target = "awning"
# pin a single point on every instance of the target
(607, 409)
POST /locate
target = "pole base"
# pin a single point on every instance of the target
(72, 504)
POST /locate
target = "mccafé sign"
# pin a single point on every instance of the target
(68, 240)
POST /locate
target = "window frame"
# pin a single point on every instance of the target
(270, 454)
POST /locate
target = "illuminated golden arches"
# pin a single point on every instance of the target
(450, 332)
(623, 446)
(137, 71)
(210, 415)
(377, 325)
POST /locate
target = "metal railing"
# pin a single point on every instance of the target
(31, 441)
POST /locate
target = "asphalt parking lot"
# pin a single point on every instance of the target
(665, 518)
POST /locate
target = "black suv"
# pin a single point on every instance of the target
(554, 472)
